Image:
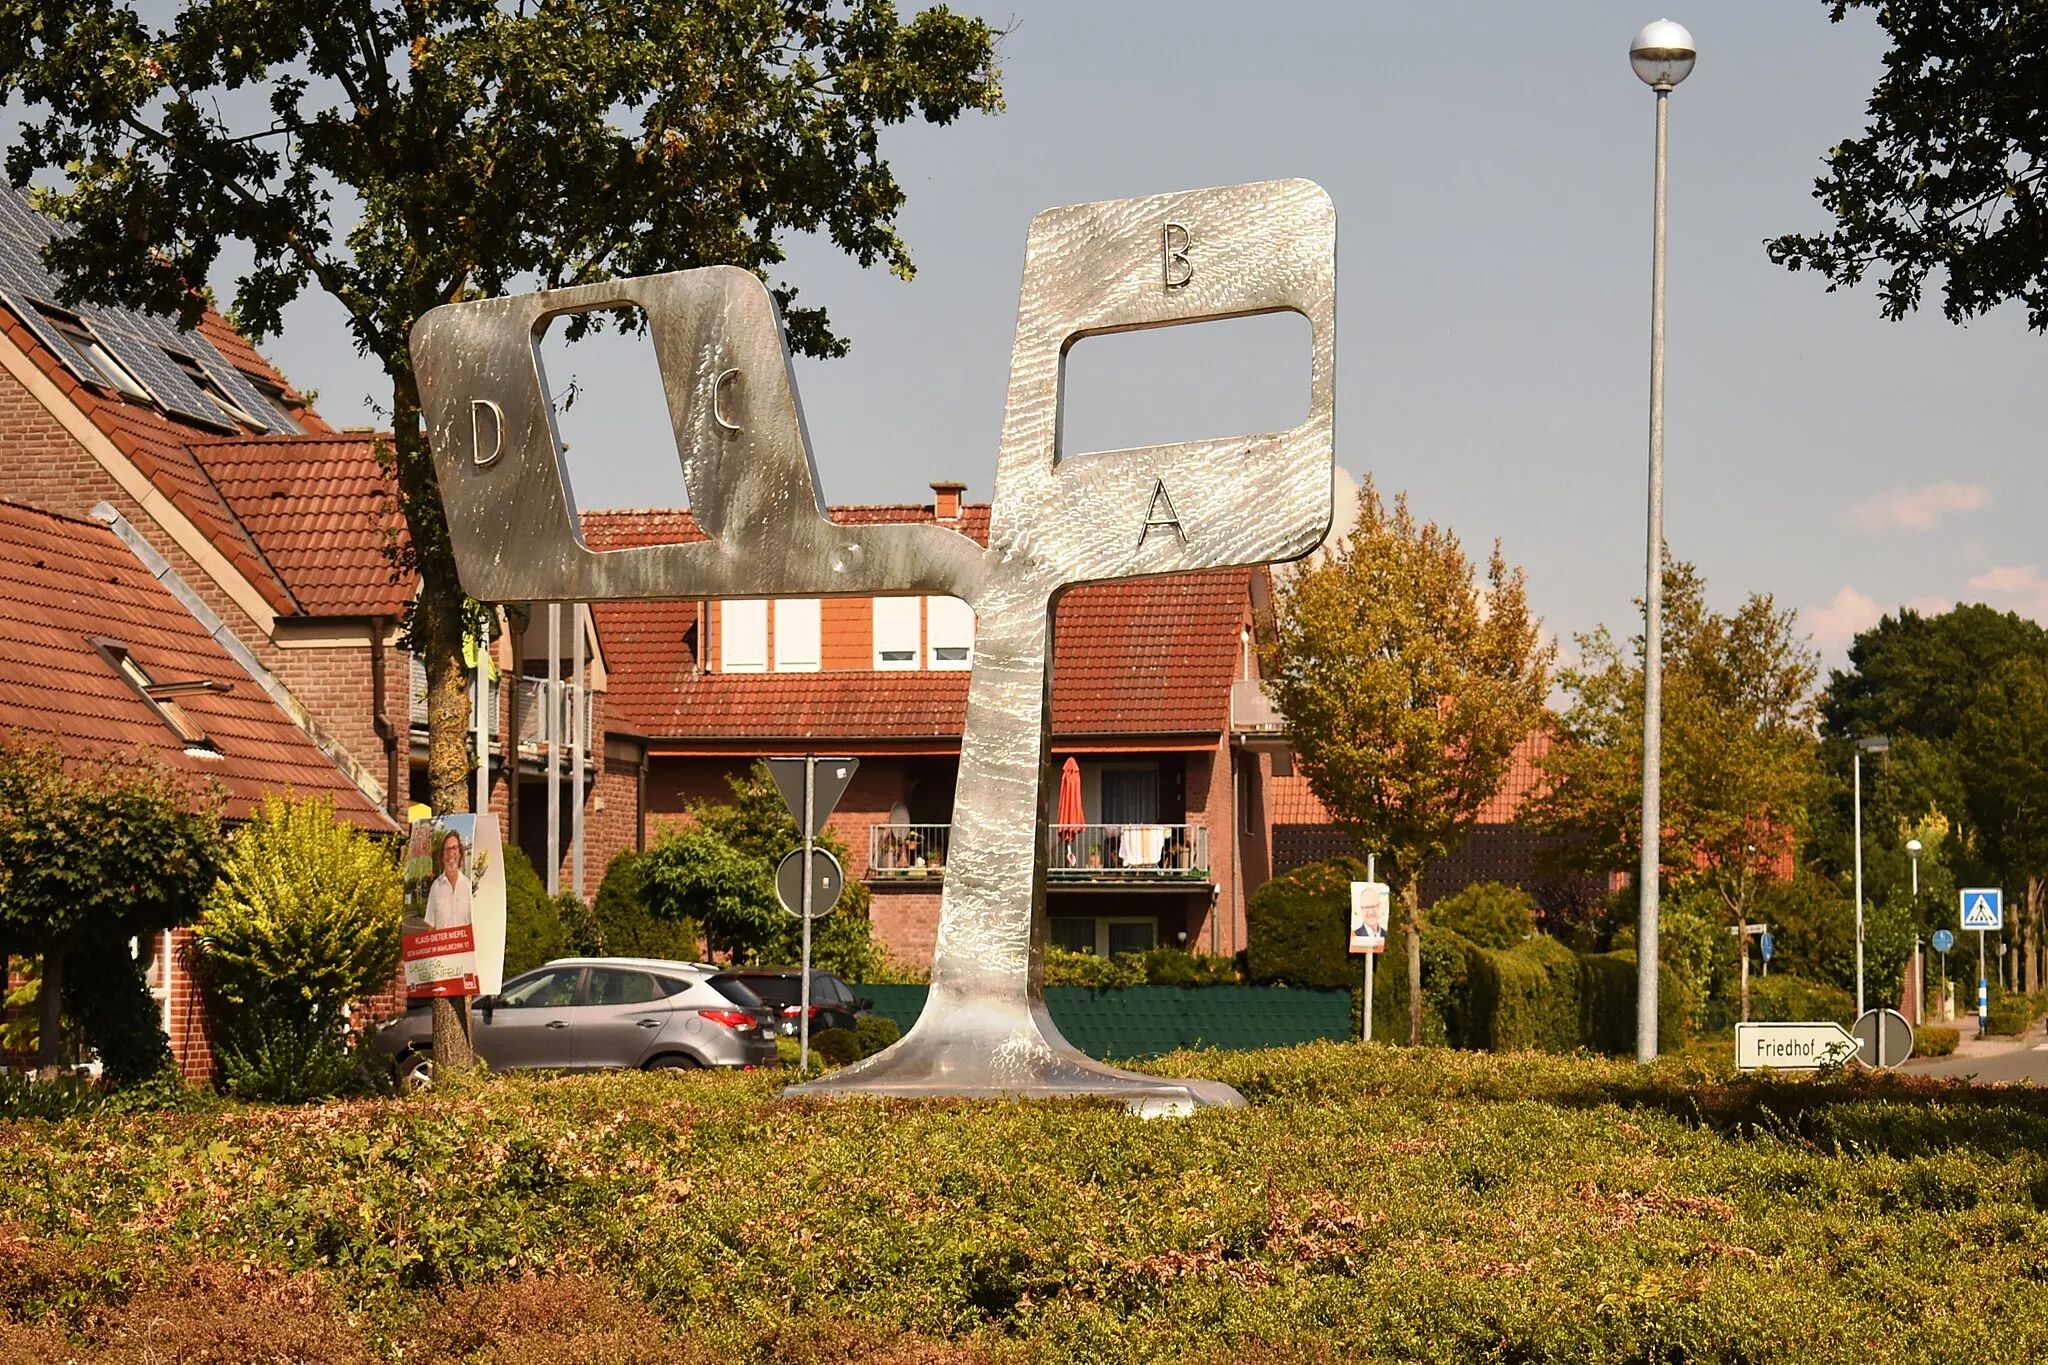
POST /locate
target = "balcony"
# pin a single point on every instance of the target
(1119, 854)
(533, 709)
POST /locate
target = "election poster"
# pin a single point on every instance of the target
(1368, 917)
(454, 927)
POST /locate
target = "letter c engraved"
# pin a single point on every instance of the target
(1173, 246)
(478, 407)
(718, 399)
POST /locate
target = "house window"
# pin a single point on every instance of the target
(743, 636)
(159, 696)
(280, 418)
(1129, 935)
(1075, 933)
(949, 633)
(1130, 795)
(798, 632)
(897, 628)
(94, 357)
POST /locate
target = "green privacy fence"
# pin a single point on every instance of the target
(1145, 1021)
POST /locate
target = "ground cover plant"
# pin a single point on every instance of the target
(1371, 1204)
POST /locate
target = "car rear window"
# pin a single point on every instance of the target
(737, 991)
(776, 990)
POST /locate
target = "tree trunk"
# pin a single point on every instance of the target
(50, 1008)
(2030, 941)
(437, 631)
(1411, 899)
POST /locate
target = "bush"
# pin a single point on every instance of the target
(533, 928)
(626, 926)
(1298, 928)
(2011, 1015)
(1490, 914)
(304, 919)
(1782, 998)
(875, 1032)
(1933, 1041)
(836, 1046)
(1159, 967)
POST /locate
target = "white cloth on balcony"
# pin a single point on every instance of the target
(1141, 845)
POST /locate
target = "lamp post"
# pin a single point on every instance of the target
(1662, 55)
(1875, 744)
(1919, 958)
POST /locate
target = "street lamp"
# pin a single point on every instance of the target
(1919, 956)
(1662, 55)
(1876, 744)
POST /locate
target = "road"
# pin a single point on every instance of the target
(1989, 1059)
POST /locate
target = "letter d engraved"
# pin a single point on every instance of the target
(477, 408)
(1173, 245)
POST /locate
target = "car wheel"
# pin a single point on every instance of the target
(416, 1072)
(673, 1062)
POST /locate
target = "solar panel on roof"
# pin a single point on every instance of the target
(139, 341)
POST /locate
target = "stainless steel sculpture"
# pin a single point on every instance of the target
(1055, 523)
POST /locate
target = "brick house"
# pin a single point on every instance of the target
(113, 652)
(1174, 796)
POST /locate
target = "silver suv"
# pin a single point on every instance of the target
(599, 1013)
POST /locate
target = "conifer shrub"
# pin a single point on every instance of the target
(1298, 928)
(533, 926)
(1490, 914)
(303, 920)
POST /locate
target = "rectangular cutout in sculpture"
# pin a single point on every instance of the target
(1089, 269)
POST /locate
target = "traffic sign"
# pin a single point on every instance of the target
(1792, 1047)
(828, 880)
(833, 775)
(1765, 946)
(1883, 1038)
(1983, 908)
(1943, 940)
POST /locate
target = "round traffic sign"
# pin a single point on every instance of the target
(828, 879)
(1883, 1038)
(1943, 940)
(1764, 943)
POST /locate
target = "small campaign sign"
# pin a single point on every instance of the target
(1368, 917)
(453, 932)
(1983, 908)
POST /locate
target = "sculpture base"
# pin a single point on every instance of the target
(1006, 1052)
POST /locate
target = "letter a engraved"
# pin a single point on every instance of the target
(1173, 243)
(1160, 498)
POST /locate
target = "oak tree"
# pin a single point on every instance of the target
(397, 155)
(1951, 173)
(1406, 683)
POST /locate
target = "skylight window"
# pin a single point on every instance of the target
(216, 392)
(95, 360)
(160, 697)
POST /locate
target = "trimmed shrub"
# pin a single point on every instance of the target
(836, 1046)
(1783, 998)
(1298, 930)
(1933, 1041)
(1490, 914)
(533, 928)
(625, 924)
(874, 1033)
(2010, 1015)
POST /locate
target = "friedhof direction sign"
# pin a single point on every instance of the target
(1984, 908)
(1792, 1047)
(1056, 522)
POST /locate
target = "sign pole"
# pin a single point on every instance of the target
(1365, 1015)
(803, 1018)
(1983, 989)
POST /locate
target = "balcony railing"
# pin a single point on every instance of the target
(533, 709)
(1127, 852)
(1121, 853)
(907, 851)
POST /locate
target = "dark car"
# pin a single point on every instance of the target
(833, 1003)
(593, 1014)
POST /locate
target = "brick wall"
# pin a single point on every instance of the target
(906, 921)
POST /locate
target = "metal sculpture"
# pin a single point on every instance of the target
(1055, 522)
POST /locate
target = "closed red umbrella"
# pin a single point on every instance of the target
(1071, 817)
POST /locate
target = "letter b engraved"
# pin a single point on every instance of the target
(1173, 245)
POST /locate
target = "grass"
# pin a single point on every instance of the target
(1372, 1204)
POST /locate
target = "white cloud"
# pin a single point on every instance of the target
(1915, 509)
(1842, 620)
(2018, 586)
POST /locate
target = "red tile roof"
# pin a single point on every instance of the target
(64, 581)
(1293, 803)
(1148, 656)
(320, 510)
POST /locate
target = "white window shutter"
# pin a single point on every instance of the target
(743, 636)
(799, 632)
(949, 633)
(896, 632)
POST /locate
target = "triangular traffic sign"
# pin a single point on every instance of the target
(833, 775)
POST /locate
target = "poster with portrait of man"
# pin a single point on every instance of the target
(1368, 917)
(454, 928)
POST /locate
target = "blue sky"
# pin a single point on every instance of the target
(1491, 169)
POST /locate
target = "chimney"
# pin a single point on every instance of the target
(946, 499)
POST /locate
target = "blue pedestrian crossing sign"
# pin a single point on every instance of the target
(1983, 908)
